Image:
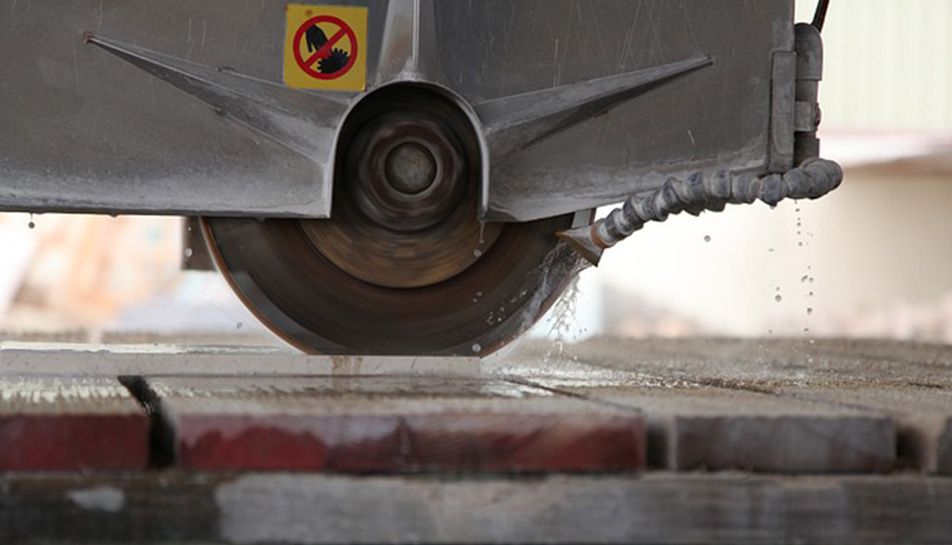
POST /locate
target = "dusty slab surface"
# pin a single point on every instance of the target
(659, 508)
(62, 423)
(717, 429)
(393, 425)
(779, 405)
(176, 360)
(766, 405)
(760, 364)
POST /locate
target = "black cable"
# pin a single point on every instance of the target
(819, 16)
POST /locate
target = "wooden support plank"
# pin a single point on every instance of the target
(393, 424)
(656, 508)
(60, 423)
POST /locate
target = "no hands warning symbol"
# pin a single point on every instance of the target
(325, 47)
(326, 61)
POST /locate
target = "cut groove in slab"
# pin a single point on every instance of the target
(19, 358)
(944, 457)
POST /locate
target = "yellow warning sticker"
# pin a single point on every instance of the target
(326, 48)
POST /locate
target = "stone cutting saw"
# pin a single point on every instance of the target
(407, 176)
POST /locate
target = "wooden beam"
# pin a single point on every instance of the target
(733, 509)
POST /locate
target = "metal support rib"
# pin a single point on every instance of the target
(516, 122)
(302, 121)
(408, 51)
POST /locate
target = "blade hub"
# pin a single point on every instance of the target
(411, 168)
(408, 169)
(406, 194)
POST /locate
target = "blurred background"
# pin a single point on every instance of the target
(874, 259)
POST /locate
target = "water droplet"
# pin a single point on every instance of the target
(810, 294)
(804, 278)
(479, 294)
(806, 330)
(812, 341)
(800, 244)
(770, 332)
(778, 298)
(799, 233)
(778, 288)
(770, 250)
(809, 267)
(239, 325)
(477, 253)
(476, 347)
(812, 279)
(809, 311)
(707, 238)
(188, 253)
(31, 225)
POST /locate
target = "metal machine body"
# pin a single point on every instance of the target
(417, 213)
(584, 103)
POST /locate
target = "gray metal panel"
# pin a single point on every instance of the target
(717, 117)
(86, 131)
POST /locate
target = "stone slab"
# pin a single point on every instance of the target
(63, 423)
(393, 425)
(697, 424)
(764, 363)
(923, 418)
(910, 383)
(715, 429)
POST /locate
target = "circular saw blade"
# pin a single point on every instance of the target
(301, 295)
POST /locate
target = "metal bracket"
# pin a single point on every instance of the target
(809, 47)
(783, 111)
